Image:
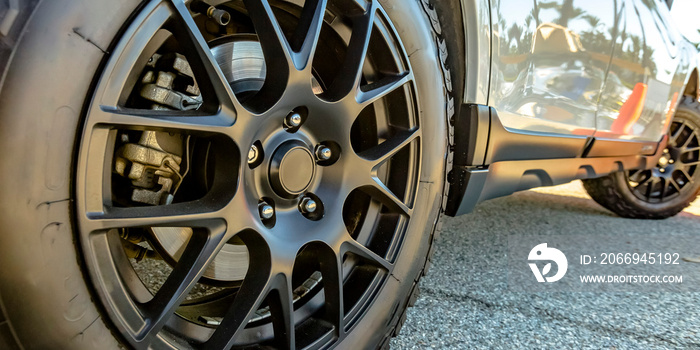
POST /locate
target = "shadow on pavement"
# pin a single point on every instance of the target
(465, 301)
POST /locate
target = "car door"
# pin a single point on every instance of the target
(549, 63)
(646, 76)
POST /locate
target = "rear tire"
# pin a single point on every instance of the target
(665, 190)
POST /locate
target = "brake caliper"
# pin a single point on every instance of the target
(148, 165)
(170, 84)
(153, 163)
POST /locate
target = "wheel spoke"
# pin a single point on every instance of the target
(381, 192)
(688, 150)
(674, 137)
(664, 185)
(369, 94)
(192, 214)
(242, 310)
(635, 174)
(331, 271)
(365, 232)
(276, 49)
(200, 251)
(350, 73)
(257, 283)
(205, 64)
(354, 247)
(688, 140)
(650, 188)
(371, 160)
(282, 312)
(675, 185)
(687, 175)
(305, 39)
(383, 152)
(645, 180)
(159, 120)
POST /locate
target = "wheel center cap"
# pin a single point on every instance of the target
(292, 168)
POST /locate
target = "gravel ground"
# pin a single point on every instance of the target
(465, 302)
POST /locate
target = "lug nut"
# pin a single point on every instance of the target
(253, 154)
(662, 170)
(671, 161)
(324, 153)
(293, 120)
(266, 211)
(308, 205)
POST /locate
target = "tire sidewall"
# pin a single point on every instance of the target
(42, 285)
(45, 292)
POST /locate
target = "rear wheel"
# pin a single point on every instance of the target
(257, 174)
(669, 187)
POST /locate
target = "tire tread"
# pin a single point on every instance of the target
(436, 16)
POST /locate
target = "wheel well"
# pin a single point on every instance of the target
(691, 87)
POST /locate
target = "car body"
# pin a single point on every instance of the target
(595, 83)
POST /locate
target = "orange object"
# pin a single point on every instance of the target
(631, 110)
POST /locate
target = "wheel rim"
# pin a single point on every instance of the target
(675, 174)
(354, 155)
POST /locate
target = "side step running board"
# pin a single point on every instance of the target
(492, 161)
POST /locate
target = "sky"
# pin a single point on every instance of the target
(686, 15)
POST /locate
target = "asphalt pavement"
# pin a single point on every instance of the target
(465, 301)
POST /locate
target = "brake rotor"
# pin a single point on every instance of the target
(229, 265)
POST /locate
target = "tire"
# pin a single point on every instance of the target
(638, 194)
(49, 289)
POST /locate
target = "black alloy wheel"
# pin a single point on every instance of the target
(663, 189)
(268, 160)
(676, 170)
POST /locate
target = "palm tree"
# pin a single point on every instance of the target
(567, 12)
(593, 21)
